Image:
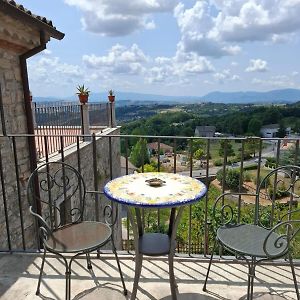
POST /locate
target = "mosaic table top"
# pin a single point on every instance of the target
(135, 190)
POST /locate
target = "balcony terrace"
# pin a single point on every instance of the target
(19, 275)
(99, 160)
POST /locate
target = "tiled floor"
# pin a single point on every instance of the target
(19, 275)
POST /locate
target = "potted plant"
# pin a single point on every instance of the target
(111, 96)
(83, 94)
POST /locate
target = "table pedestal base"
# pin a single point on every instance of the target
(154, 244)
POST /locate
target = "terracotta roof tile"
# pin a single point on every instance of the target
(27, 11)
(19, 8)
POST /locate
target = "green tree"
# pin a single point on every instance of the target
(199, 154)
(229, 149)
(251, 146)
(281, 131)
(254, 126)
(296, 126)
(139, 154)
(272, 115)
(287, 157)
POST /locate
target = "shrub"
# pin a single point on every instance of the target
(247, 177)
(271, 159)
(266, 182)
(247, 155)
(280, 191)
(250, 167)
(232, 178)
(232, 160)
(219, 176)
(218, 162)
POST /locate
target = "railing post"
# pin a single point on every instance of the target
(33, 110)
(85, 122)
(112, 114)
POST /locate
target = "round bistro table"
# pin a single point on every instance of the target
(175, 192)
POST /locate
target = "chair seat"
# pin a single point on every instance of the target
(249, 240)
(79, 237)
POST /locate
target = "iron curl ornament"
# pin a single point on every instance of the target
(56, 185)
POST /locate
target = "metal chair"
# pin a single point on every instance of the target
(272, 234)
(56, 193)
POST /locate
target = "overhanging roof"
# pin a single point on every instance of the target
(17, 11)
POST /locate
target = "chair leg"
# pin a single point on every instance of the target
(251, 275)
(119, 267)
(41, 273)
(138, 268)
(68, 287)
(209, 265)
(68, 277)
(172, 276)
(294, 276)
(88, 259)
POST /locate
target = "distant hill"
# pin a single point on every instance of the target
(139, 98)
(126, 98)
(275, 96)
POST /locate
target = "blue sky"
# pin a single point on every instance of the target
(168, 47)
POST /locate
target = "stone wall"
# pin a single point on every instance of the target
(15, 39)
(15, 123)
(14, 207)
(71, 155)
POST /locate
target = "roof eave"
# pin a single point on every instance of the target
(24, 16)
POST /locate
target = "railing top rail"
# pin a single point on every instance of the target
(160, 136)
(63, 103)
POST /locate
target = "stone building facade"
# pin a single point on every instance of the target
(20, 37)
(23, 35)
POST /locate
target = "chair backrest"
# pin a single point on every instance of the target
(56, 194)
(280, 191)
(276, 200)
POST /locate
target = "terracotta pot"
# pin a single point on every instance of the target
(111, 98)
(83, 98)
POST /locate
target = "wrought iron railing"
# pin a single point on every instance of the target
(14, 172)
(54, 119)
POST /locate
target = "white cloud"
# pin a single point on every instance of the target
(225, 75)
(235, 77)
(197, 31)
(257, 65)
(119, 17)
(119, 60)
(180, 68)
(254, 20)
(216, 27)
(276, 81)
(52, 70)
(282, 38)
(54, 77)
(46, 52)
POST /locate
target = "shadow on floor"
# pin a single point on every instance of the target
(270, 296)
(192, 296)
(10, 270)
(106, 291)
